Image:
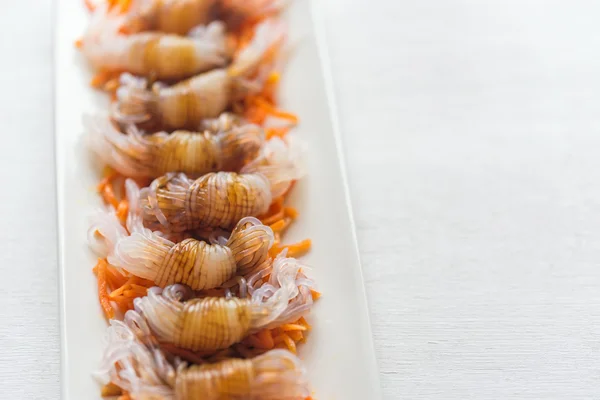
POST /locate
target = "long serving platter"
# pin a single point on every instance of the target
(339, 354)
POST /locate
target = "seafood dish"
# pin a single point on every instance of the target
(203, 296)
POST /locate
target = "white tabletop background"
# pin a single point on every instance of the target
(472, 139)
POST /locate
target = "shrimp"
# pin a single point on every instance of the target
(179, 16)
(196, 263)
(187, 103)
(144, 371)
(149, 156)
(224, 122)
(155, 54)
(176, 203)
(214, 323)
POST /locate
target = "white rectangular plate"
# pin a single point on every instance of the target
(339, 353)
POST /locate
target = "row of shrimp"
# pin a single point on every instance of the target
(186, 244)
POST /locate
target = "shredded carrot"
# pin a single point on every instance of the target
(289, 342)
(109, 196)
(91, 5)
(279, 225)
(294, 250)
(119, 291)
(293, 327)
(315, 295)
(109, 176)
(126, 396)
(114, 277)
(302, 321)
(105, 187)
(103, 77)
(103, 289)
(270, 109)
(275, 212)
(291, 212)
(110, 389)
(123, 210)
(79, 43)
(124, 5)
(276, 132)
(296, 336)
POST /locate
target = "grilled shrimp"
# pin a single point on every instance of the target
(149, 156)
(176, 203)
(145, 373)
(156, 54)
(179, 16)
(214, 323)
(187, 103)
(196, 263)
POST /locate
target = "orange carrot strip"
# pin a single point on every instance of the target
(298, 249)
(274, 213)
(119, 291)
(114, 277)
(79, 43)
(302, 321)
(295, 335)
(266, 338)
(291, 345)
(109, 176)
(109, 196)
(277, 132)
(110, 389)
(284, 115)
(315, 295)
(293, 327)
(103, 289)
(278, 226)
(123, 210)
(291, 212)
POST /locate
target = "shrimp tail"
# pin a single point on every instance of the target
(267, 35)
(211, 41)
(250, 242)
(124, 153)
(287, 294)
(277, 372)
(105, 232)
(135, 101)
(143, 252)
(281, 162)
(141, 370)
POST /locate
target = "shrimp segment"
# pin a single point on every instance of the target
(179, 16)
(215, 323)
(160, 55)
(198, 264)
(187, 103)
(149, 156)
(175, 203)
(145, 373)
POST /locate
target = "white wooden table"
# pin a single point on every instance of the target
(472, 135)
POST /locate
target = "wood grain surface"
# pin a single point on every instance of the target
(471, 133)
